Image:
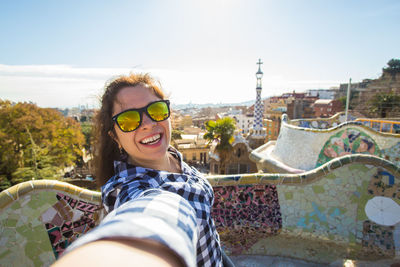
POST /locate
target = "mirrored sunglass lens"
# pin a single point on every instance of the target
(129, 120)
(158, 111)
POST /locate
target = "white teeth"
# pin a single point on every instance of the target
(151, 140)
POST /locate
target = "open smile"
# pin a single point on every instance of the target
(152, 140)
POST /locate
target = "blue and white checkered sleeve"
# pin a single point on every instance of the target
(158, 215)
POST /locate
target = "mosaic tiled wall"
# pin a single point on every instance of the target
(38, 220)
(328, 207)
(251, 212)
(24, 240)
(392, 154)
(304, 149)
(326, 204)
(378, 239)
(68, 219)
(381, 126)
(384, 184)
(322, 123)
(244, 214)
(345, 142)
(333, 207)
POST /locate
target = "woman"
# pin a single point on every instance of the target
(136, 164)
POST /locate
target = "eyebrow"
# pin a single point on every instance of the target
(123, 108)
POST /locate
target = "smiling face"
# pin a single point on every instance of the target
(146, 146)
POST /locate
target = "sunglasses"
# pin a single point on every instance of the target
(131, 119)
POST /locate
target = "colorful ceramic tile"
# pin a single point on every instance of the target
(392, 154)
(378, 239)
(384, 184)
(244, 214)
(73, 218)
(345, 142)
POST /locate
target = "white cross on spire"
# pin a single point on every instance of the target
(259, 63)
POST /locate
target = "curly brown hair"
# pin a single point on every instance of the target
(106, 148)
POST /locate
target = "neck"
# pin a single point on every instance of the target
(167, 163)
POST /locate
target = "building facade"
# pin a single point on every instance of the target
(299, 108)
(272, 129)
(244, 122)
(324, 108)
(236, 161)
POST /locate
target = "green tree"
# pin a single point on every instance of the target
(87, 130)
(221, 131)
(384, 103)
(353, 97)
(393, 67)
(36, 142)
(176, 134)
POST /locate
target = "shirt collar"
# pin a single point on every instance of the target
(121, 166)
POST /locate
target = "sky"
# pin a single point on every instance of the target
(61, 53)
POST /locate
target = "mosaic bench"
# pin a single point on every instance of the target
(324, 123)
(39, 219)
(317, 215)
(299, 148)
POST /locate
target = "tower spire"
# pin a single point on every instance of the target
(258, 130)
(259, 74)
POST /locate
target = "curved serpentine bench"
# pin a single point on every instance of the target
(318, 215)
(299, 149)
(39, 219)
(323, 123)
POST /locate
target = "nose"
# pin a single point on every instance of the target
(147, 123)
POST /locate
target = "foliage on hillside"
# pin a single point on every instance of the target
(380, 98)
(35, 143)
(393, 67)
(384, 103)
(353, 96)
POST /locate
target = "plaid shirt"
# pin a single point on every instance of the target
(158, 215)
(132, 183)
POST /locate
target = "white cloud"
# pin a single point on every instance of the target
(68, 86)
(60, 71)
(54, 85)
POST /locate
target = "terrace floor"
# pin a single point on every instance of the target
(259, 261)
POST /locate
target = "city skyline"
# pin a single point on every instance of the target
(60, 54)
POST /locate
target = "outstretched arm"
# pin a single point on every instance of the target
(157, 229)
(119, 252)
